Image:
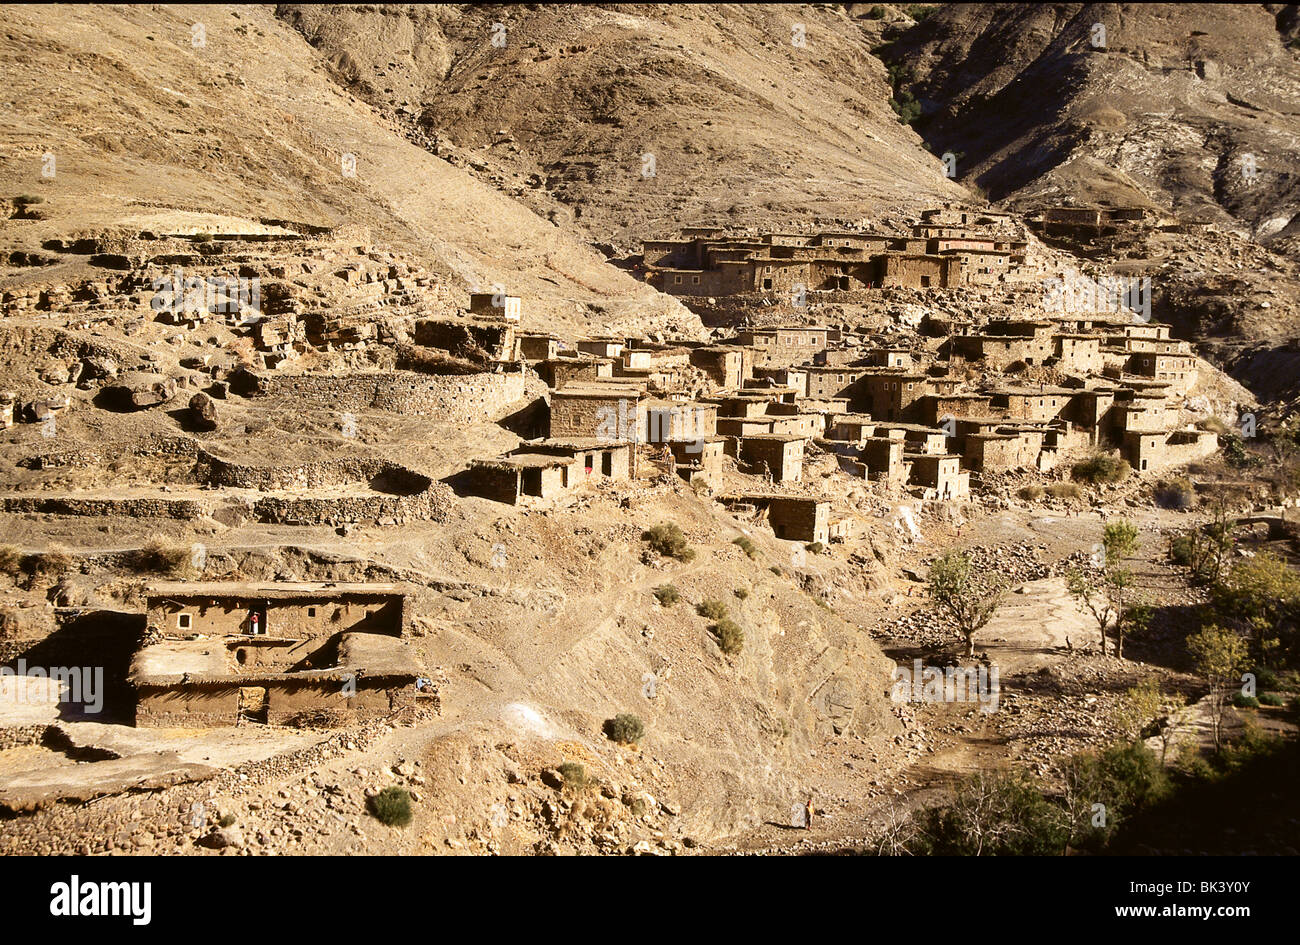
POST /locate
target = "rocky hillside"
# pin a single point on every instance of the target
(151, 110)
(1185, 107)
(752, 113)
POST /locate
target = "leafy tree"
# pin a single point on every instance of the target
(1219, 654)
(1260, 596)
(993, 814)
(966, 601)
(1104, 591)
(1145, 707)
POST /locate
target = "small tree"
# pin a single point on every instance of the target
(1104, 590)
(1219, 655)
(1144, 705)
(964, 600)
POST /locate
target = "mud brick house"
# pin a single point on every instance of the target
(602, 411)
(549, 468)
(850, 427)
(1077, 353)
(560, 372)
(1152, 450)
(698, 458)
(795, 378)
(783, 347)
(934, 408)
(883, 458)
(602, 347)
(780, 456)
(726, 365)
(891, 394)
(228, 652)
(538, 347)
(465, 338)
(667, 421)
(1034, 404)
(799, 519)
(1179, 370)
(846, 382)
(1006, 341)
(495, 305)
(792, 518)
(915, 270)
(940, 473)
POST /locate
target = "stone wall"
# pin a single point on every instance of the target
(456, 399)
(184, 509)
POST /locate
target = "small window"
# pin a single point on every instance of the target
(677, 280)
(695, 280)
(311, 611)
(183, 621)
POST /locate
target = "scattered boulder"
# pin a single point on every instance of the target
(139, 390)
(203, 411)
(221, 837)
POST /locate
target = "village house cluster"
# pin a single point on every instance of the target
(946, 249)
(906, 415)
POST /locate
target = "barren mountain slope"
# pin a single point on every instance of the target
(140, 119)
(743, 124)
(1170, 112)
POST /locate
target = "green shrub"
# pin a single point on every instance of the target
(876, 13)
(815, 547)
(670, 541)
(1102, 469)
(1175, 493)
(1030, 493)
(1181, 549)
(1215, 425)
(1265, 678)
(712, 609)
(919, 13)
(746, 544)
(624, 728)
(776, 569)
(1236, 454)
(227, 820)
(574, 775)
(667, 594)
(1243, 701)
(202, 237)
(1272, 698)
(991, 814)
(391, 806)
(906, 107)
(731, 639)
(26, 200)
(1064, 490)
